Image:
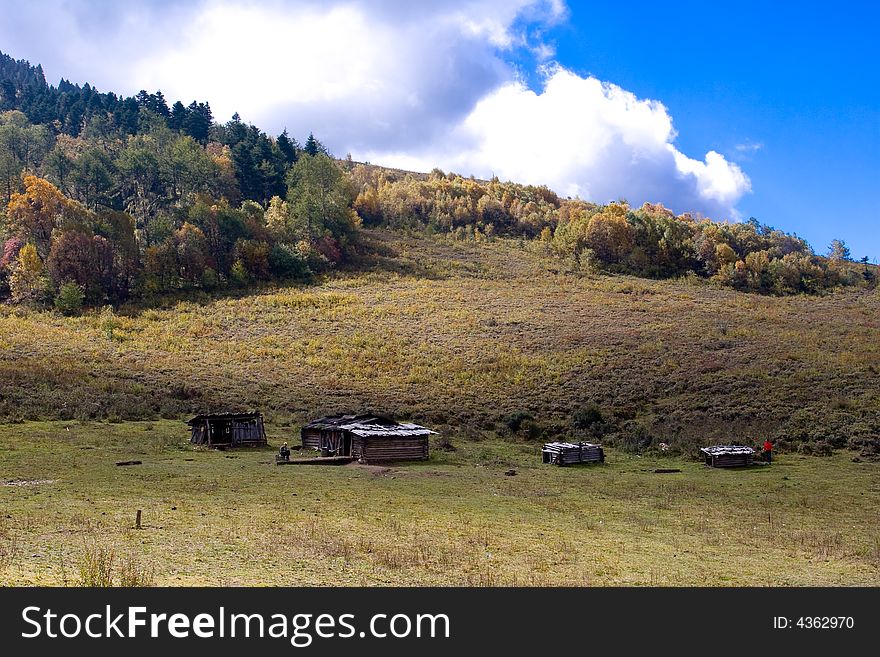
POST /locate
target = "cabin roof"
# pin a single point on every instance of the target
(368, 425)
(560, 445)
(727, 450)
(339, 421)
(250, 415)
(377, 430)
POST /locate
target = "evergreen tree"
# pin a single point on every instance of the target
(178, 116)
(288, 147)
(197, 121)
(314, 147)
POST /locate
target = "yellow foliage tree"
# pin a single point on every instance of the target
(27, 282)
(35, 213)
(609, 234)
(278, 219)
(725, 255)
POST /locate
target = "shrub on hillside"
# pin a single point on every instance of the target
(515, 420)
(587, 417)
(287, 262)
(69, 300)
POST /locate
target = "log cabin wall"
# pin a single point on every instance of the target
(311, 438)
(199, 435)
(228, 430)
(248, 432)
(357, 447)
(378, 449)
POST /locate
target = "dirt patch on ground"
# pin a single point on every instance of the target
(22, 483)
(425, 473)
(366, 467)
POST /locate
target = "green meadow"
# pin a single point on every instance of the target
(234, 518)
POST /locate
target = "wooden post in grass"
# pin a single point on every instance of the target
(137, 521)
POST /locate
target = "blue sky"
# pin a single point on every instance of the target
(730, 110)
(800, 82)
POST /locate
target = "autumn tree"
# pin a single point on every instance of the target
(368, 207)
(119, 228)
(191, 254)
(254, 257)
(838, 251)
(84, 259)
(222, 226)
(8, 259)
(34, 213)
(758, 270)
(724, 254)
(225, 182)
(609, 234)
(27, 282)
(277, 220)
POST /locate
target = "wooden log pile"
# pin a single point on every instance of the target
(330, 460)
(572, 453)
(728, 456)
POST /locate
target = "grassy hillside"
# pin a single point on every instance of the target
(461, 336)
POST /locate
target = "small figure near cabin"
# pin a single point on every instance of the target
(768, 451)
(284, 452)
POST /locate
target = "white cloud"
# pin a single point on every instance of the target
(351, 75)
(749, 147)
(405, 83)
(586, 138)
(745, 151)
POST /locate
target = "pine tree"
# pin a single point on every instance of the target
(313, 146)
(178, 116)
(288, 147)
(197, 123)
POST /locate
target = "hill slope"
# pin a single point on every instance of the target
(483, 338)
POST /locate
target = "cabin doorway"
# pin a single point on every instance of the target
(336, 443)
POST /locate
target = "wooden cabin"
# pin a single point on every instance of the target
(367, 437)
(728, 456)
(228, 430)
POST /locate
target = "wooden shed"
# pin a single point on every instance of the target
(228, 430)
(728, 456)
(367, 437)
(571, 453)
